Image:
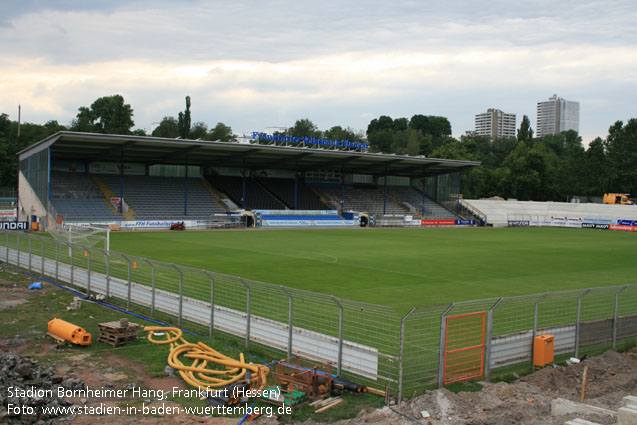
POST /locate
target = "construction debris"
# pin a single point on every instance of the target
(76, 304)
(329, 404)
(24, 373)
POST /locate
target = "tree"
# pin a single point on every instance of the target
(525, 132)
(221, 132)
(530, 172)
(83, 122)
(199, 131)
(438, 127)
(621, 145)
(339, 133)
(303, 128)
(381, 123)
(597, 169)
(400, 124)
(168, 127)
(108, 115)
(184, 121)
(381, 140)
(417, 143)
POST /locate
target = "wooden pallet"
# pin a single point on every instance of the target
(115, 334)
(116, 340)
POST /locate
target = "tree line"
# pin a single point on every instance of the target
(554, 167)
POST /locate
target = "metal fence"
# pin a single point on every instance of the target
(371, 343)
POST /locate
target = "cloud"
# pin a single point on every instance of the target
(338, 63)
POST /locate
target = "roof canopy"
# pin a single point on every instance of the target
(91, 147)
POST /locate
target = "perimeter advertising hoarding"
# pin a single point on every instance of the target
(14, 225)
(578, 222)
(447, 222)
(623, 227)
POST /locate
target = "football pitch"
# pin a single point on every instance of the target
(402, 268)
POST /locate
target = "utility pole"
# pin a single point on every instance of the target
(19, 119)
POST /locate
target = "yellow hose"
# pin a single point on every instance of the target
(197, 373)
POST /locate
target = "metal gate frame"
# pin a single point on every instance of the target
(467, 337)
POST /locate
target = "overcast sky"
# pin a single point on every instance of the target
(258, 64)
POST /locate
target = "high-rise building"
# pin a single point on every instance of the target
(495, 124)
(556, 115)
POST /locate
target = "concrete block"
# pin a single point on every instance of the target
(629, 401)
(579, 421)
(560, 407)
(626, 416)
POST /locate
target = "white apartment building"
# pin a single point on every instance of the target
(495, 124)
(556, 115)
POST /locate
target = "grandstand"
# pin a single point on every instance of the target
(87, 178)
(77, 198)
(416, 202)
(246, 193)
(498, 213)
(304, 198)
(156, 198)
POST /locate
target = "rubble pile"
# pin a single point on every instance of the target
(28, 389)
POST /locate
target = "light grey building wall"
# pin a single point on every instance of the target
(556, 115)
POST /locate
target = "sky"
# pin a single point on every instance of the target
(259, 64)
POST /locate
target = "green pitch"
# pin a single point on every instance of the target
(403, 267)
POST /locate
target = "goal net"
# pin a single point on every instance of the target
(86, 235)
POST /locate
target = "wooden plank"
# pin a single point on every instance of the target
(330, 405)
(377, 392)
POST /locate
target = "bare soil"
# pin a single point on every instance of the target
(526, 401)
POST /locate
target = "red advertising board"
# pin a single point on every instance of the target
(437, 222)
(624, 228)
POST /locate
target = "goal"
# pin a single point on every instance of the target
(88, 235)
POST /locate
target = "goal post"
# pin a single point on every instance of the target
(84, 234)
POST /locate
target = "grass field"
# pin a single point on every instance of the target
(402, 268)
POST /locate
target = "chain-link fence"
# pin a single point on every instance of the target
(372, 344)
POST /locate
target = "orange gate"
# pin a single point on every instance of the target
(464, 347)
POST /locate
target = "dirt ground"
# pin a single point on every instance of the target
(526, 401)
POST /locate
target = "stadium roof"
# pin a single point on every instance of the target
(93, 147)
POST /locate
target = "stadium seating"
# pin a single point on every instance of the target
(257, 197)
(77, 198)
(412, 200)
(364, 199)
(283, 189)
(155, 198)
(498, 212)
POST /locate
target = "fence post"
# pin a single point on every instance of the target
(290, 328)
(615, 315)
(487, 348)
(401, 350)
(18, 249)
(30, 254)
(212, 302)
(42, 258)
(535, 312)
(248, 316)
(339, 365)
(7, 252)
(128, 297)
(181, 294)
(57, 260)
(72, 256)
(88, 276)
(108, 274)
(443, 336)
(152, 294)
(577, 323)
